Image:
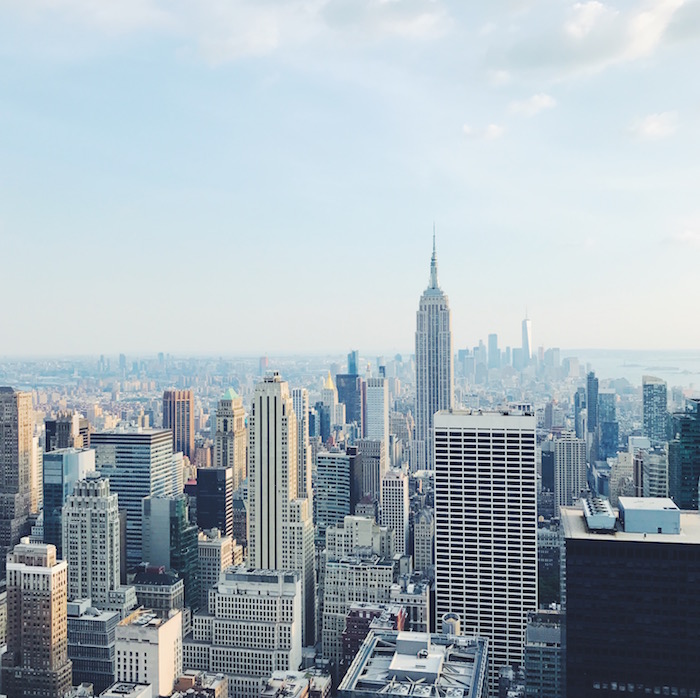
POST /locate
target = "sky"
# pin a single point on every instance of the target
(264, 176)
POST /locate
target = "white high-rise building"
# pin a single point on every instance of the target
(230, 440)
(91, 542)
(486, 527)
(377, 412)
(300, 402)
(280, 525)
(254, 629)
(434, 370)
(395, 506)
(149, 650)
(215, 553)
(329, 397)
(569, 470)
(527, 341)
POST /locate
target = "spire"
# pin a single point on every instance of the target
(433, 265)
(329, 385)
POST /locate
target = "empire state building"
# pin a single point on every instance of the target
(434, 373)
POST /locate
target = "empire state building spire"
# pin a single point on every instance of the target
(434, 377)
(433, 266)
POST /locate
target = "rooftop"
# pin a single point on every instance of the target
(574, 524)
(417, 664)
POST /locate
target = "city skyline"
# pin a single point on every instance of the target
(250, 145)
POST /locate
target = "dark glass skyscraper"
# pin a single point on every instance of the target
(655, 401)
(350, 393)
(215, 499)
(684, 457)
(592, 401)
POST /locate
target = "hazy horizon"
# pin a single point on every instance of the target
(197, 175)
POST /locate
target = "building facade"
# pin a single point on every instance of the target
(394, 507)
(231, 437)
(486, 527)
(91, 540)
(655, 410)
(36, 664)
(434, 369)
(178, 416)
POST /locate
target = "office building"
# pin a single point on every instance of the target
(332, 501)
(377, 413)
(170, 541)
(357, 534)
(280, 526)
(231, 436)
(92, 644)
(580, 413)
(139, 463)
(216, 553)
(178, 416)
(36, 478)
(413, 594)
(215, 499)
(570, 476)
(363, 617)
(372, 454)
(200, 684)
(354, 363)
(300, 403)
(423, 540)
(149, 650)
(631, 599)
(91, 540)
(494, 352)
(684, 457)
(124, 689)
(394, 507)
(254, 630)
(655, 410)
(160, 590)
(434, 372)
(544, 657)
(393, 662)
(654, 473)
(62, 469)
(36, 664)
(63, 432)
(352, 392)
(346, 581)
(608, 426)
(592, 402)
(329, 400)
(16, 432)
(486, 527)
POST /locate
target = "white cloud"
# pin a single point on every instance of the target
(584, 17)
(499, 77)
(489, 133)
(533, 105)
(493, 131)
(689, 237)
(656, 126)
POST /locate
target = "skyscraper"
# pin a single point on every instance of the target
(138, 463)
(333, 491)
(230, 439)
(16, 431)
(527, 341)
(486, 527)
(655, 406)
(36, 663)
(215, 499)
(63, 467)
(569, 469)
(592, 401)
(684, 457)
(178, 416)
(92, 544)
(494, 352)
(394, 506)
(280, 534)
(353, 363)
(63, 432)
(170, 540)
(377, 425)
(608, 426)
(300, 402)
(434, 372)
(352, 393)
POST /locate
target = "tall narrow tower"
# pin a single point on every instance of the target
(16, 431)
(178, 416)
(281, 535)
(230, 438)
(527, 341)
(434, 375)
(36, 662)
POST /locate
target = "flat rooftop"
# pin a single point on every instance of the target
(417, 664)
(648, 503)
(574, 524)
